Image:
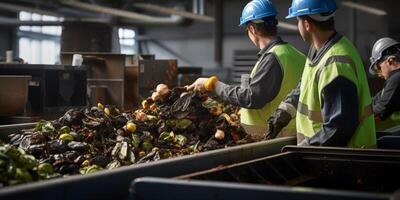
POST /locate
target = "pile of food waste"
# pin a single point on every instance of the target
(170, 123)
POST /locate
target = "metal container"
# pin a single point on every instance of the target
(53, 88)
(105, 76)
(13, 94)
(389, 139)
(114, 184)
(296, 173)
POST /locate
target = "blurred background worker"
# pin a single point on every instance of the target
(385, 62)
(334, 101)
(276, 73)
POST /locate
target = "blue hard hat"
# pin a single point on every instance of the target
(310, 7)
(257, 9)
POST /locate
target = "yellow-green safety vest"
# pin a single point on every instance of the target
(292, 62)
(392, 121)
(342, 59)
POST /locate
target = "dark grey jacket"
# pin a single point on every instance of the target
(262, 88)
(387, 101)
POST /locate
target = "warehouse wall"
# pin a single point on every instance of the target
(7, 36)
(6, 40)
(195, 46)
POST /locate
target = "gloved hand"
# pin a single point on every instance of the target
(198, 85)
(276, 122)
(204, 84)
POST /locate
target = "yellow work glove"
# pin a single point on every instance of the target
(204, 84)
(210, 84)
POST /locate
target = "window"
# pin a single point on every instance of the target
(39, 44)
(127, 40)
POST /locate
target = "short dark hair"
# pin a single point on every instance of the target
(328, 25)
(391, 51)
(266, 28)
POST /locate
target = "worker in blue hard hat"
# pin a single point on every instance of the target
(333, 100)
(277, 71)
(385, 63)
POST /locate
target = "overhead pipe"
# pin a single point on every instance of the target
(168, 21)
(6, 21)
(136, 18)
(18, 8)
(172, 11)
(287, 26)
(62, 12)
(364, 8)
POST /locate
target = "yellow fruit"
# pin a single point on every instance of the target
(99, 105)
(65, 129)
(85, 163)
(145, 104)
(131, 127)
(66, 137)
(45, 168)
(107, 111)
(142, 154)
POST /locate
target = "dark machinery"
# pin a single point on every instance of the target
(296, 173)
(53, 88)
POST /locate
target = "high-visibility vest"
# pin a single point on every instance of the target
(391, 121)
(342, 59)
(292, 62)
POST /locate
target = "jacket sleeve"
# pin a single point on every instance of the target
(262, 89)
(387, 101)
(291, 101)
(339, 112)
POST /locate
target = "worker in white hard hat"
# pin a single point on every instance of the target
(385, 63)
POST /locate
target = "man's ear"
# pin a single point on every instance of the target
(252, 29)
(391, 60)
(307, 25)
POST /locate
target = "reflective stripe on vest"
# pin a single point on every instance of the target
(316, 115)
(336, 59)
(392, 121)
(342, 59)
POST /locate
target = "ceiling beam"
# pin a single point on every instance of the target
(113, 11)
(5, 21)
(365, 8)
(287, 26)
(172, 11)
(18, 8)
